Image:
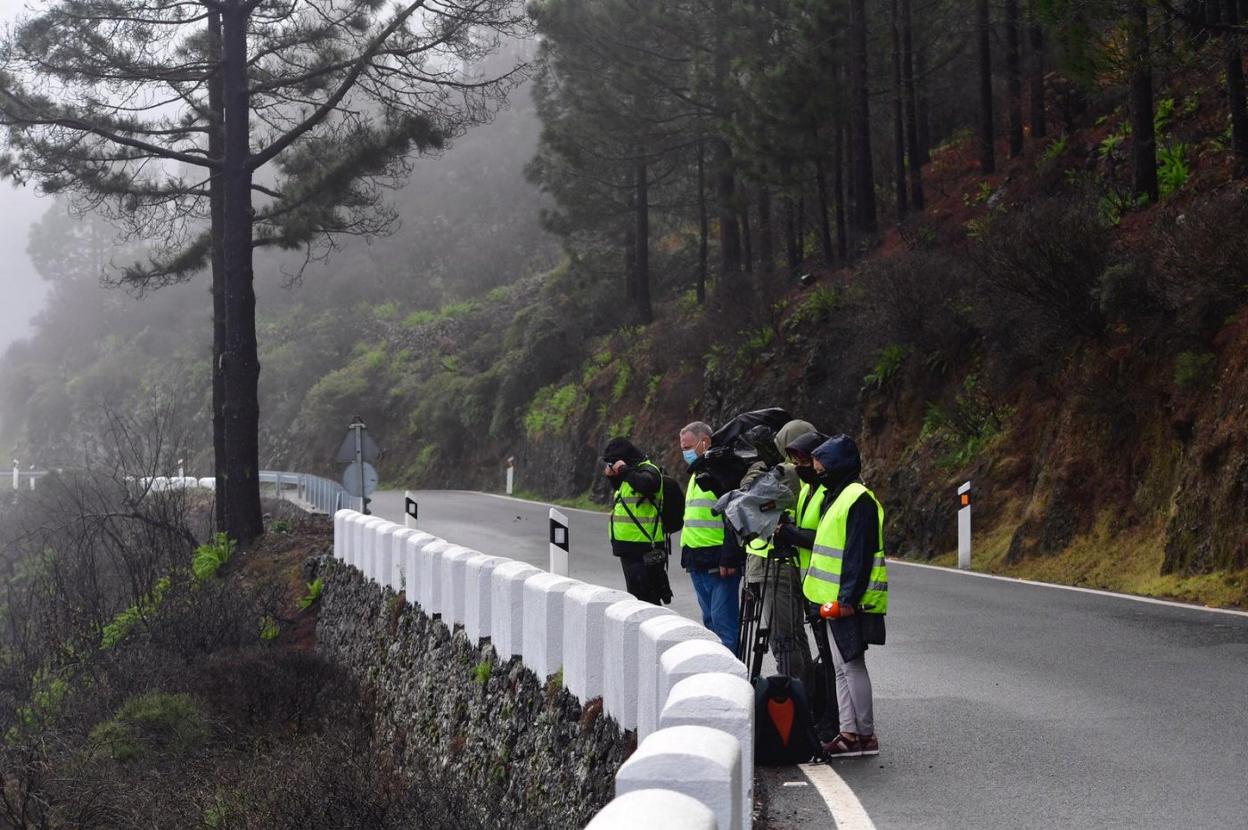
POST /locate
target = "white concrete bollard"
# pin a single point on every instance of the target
(720, 701)
(542, 638)
(698, 761)
(507, 607)
(414, 549)
(374, 535)
(695, 657)
(384, 566)
(657, 636)
(584, 631)
(341, 536)
(454, 574)
(398, 559)
(619, 651)
(478, 585)
(653, 808)
(430, 567)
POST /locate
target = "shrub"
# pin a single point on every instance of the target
(151, 723)
(1123, 292)
(1194, 370)
(1050, 254)
(419, 318)
(147, 606)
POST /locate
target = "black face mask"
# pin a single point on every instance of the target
(808, 475)
(829, 479)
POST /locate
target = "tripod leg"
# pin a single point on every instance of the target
(763, 633)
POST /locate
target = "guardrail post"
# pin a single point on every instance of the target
(619, 697)
(430, 565)
(656, 637)
(700, 762)
(653, 808)
(478, 592)
(542, 643)
(415, 547)
(584, 632)
(720, 701)
(507, 607)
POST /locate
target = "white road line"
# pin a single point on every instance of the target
(847, 811)
(1113, 594)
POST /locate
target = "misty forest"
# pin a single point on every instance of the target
(995, 241)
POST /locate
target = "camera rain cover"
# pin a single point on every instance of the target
(754, 513)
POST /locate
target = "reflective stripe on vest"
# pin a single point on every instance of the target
(823, 579)
(759, 548)
(809, 512)
(646, 512)
(702, 529)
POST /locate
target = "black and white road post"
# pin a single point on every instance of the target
(409, 509)
(511, 473)
(559, 543)
(17, 474)
(964, 527)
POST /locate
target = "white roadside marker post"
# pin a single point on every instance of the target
(559, 543)
(17, 474)
(409, 509)
(511, 473)
(964, 527)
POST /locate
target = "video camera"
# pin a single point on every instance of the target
(745, 440)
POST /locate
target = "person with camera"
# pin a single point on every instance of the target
(636, 520)
(848, 580)
(707, 552)
(772, 571)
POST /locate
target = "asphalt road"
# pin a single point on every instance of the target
(998, 704)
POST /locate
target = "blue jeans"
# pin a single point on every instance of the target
(720, 599)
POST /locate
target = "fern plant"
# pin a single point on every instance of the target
(209, 557)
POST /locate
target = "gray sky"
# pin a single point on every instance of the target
(23, 290)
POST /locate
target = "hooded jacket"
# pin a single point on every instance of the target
(842, 466)
(645, 480)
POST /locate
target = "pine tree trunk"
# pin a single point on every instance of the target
(244, 520)
(641, 296)
(838, 161)
(1014, 77)
(721, 160)
(792, 253)
(766, 234)
(1039, 115)
(863, 179)
(983, 28)
(216, 147)
(899, 130)
(1143, 139)
(703, 223)
(1235, 91)
(915, 155)
(925, 114)
(747, 233)
(825, 228)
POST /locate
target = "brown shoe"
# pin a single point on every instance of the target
(869, 744)
(844, 745)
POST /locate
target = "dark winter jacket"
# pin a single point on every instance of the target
(645, 480)
(842, 466)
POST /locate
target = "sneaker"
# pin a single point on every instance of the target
(869, 744)
(844, 745)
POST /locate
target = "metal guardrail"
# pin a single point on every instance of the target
(323, 494)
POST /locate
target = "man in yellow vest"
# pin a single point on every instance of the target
(710, 555)
(848, 578)
(636, 525)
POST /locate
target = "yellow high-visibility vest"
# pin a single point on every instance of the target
(823, 579)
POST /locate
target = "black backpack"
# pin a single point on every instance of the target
(672, 507)
(784, 730)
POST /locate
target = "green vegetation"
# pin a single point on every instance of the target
(887, 367)
(482, 671)
(1194, 371)
(151, 724)
(209, 557)
(313, 595)
(138, 614)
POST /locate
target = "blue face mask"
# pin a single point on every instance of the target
(690, 456)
